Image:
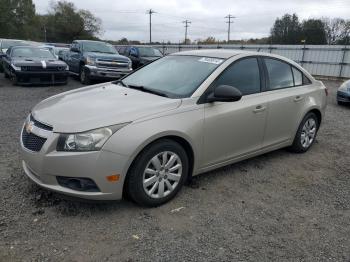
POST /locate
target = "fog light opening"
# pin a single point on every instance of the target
(78, 184)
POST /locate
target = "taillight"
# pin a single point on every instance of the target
(326, 91)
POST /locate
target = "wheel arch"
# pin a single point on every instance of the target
(174, 137)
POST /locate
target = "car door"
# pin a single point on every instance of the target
(234, 129)
(286, 94)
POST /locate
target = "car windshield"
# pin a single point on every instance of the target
(99, 47)
(175, 76)
(8, 43)
(31, 52)
(149, 51)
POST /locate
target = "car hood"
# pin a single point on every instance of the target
(99, 106)
(34, 61)
(106, 56)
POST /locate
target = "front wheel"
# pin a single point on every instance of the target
(158, 173)
(84, 76)
(306, 134)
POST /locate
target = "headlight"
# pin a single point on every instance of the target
(130, 64)
(90, 61)
(17, 68)
(67, 68)
(87, 141)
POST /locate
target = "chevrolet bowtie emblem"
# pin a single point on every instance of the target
(29, 127)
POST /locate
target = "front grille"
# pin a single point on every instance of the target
(31, 141)
(111, 63)
(39, 124)
(41, 69)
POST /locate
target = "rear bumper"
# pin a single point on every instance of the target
(107, 73)
(343, 97)
(41, 78)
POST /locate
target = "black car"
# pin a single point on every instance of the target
(27, 65)
(140, 55)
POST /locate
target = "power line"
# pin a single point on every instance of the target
(150, 12)
(229, 17)
(186, 22)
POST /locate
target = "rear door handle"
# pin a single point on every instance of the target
(259, 109)
(298, 98)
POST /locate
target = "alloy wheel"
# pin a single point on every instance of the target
(162, 174)
(308, 133)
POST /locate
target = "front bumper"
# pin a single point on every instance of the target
(41, 78)
(45, 166)
(107, 73)
(343, 97)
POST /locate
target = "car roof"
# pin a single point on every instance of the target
(221, 53)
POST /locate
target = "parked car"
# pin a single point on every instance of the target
(5, 44)
(62, 54)
(182, 115)
(56, 51)
(26, 65)
(96, 60)
(141, 55)
(343, 94)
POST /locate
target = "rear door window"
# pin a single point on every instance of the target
(280, 74)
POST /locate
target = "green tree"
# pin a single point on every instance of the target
(65, 23)
(286, 30)
(314, 32)
(18, 19)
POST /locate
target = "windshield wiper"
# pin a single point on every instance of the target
(120, 82)
(148, 90)
(141, 88)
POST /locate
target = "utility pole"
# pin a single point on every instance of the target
(45, 35)
(229, 17)
(186, 22)
(150, 12)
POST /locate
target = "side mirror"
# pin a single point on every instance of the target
(224, 93)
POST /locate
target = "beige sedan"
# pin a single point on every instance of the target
(177, 117)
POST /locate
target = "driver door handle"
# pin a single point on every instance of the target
(259, 108)
(298, 98)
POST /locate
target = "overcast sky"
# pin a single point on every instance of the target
(254, 17)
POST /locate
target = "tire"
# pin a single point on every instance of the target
(150, 194)
(340, 103)
(14, 79)
(308, 129)
(6, 75)
(84, 76)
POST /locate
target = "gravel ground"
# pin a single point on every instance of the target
(279, 206)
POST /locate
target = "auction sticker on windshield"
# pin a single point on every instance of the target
(210, 60)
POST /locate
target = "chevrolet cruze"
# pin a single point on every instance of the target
(182, 115)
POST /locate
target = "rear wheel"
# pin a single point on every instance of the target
(158, 173)
(306, 134)
(6, 75)
(84, 76)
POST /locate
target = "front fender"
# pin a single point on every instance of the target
(133, 138)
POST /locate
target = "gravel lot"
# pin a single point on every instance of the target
(279, 206)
